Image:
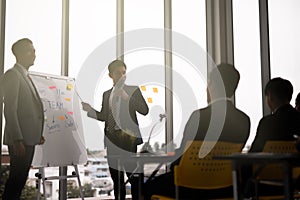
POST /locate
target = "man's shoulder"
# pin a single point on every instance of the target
(242, 113)
(107, 91)
(11, 74)
(268, 121)
(133, 87)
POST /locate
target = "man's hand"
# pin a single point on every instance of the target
(86, 107)
(42, 141)
(19, 148)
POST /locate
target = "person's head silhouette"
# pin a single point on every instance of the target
(278, 92)
(223, 81)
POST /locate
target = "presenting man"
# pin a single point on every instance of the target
(24, 118)
(122, 135)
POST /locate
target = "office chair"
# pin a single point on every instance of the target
(272, 174)
(198, 170)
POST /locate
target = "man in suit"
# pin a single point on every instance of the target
(284, 121)
(219, 121)
(297, 102)
(122, 135)
(281, 125)
(24, 118)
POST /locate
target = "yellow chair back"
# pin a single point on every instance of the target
(275, 171)
(204, 172)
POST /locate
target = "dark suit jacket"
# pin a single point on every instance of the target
(281, 125)
(23, 109)
(201, 124)
(128, 110)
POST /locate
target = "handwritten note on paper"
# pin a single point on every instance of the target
(62, 126)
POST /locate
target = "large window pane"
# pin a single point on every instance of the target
(188, 19)
(143, 14)
(92, 26)
(39, 21)
(285, 41)
(247, 60)
(145, 61)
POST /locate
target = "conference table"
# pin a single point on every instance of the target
(287, 160)
(141, 159)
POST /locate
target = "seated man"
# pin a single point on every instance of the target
(297, 102)
(281, 125)
(284, 121)
(219, 121)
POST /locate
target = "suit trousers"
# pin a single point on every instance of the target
(128, 167)
(18, 173)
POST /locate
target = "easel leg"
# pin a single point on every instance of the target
(41, 178)
(38, 175)
(79, 182)
(44, 184)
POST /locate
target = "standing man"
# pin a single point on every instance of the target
(24, 117)
(122, 135)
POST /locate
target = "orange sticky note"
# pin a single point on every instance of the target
(155, 90)
(149, 100)
(143, 88)
(61, 117)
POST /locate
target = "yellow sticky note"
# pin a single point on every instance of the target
(143, 88)
(150, 100)
(69, 86)
(68, 99)
(155, 90)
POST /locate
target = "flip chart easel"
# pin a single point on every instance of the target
(64, 142)
(42, 179)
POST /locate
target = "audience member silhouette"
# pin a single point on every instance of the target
(297, 102)
(283, 124)
(284, 121)
(235, 127)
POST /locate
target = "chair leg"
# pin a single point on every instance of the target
(177, 193)
(256, 189)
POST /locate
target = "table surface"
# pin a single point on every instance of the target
(286, 159)
(146, 157)
(260, 156)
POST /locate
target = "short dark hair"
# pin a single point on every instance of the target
(114, 64)
(279, 88)
(298, 99)
(21, 46)
(230, 77)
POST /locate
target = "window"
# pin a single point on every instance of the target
(144, 21)
(247, 60)
(92, 27)
(190, 67)
(284, 41)
(39, 21)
